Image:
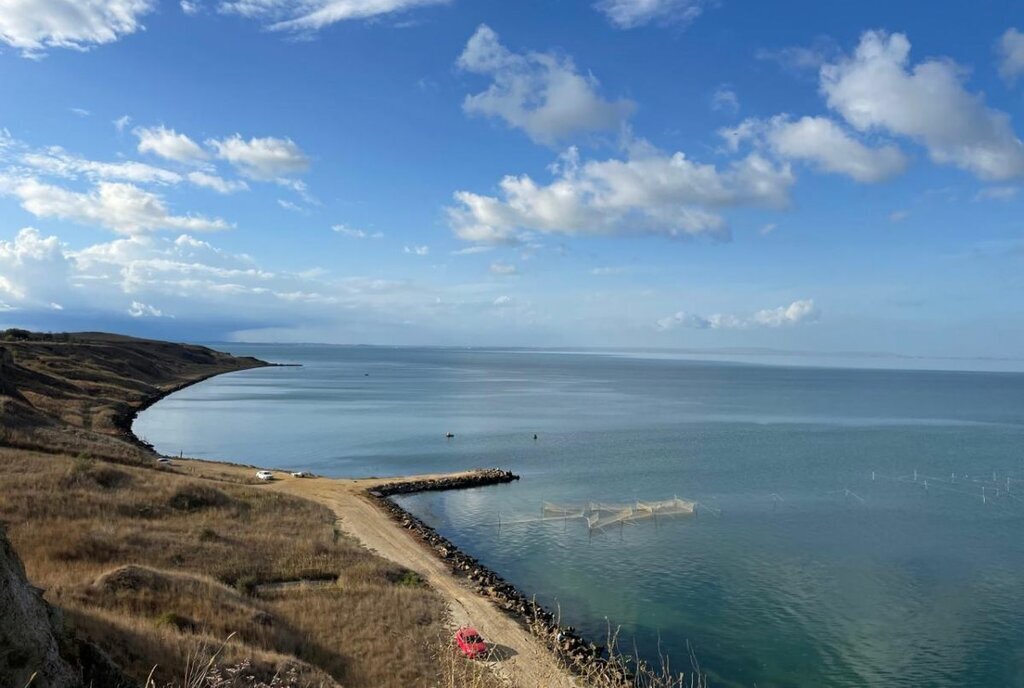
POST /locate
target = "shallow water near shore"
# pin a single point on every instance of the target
(817, 557)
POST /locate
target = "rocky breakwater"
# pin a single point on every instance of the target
(580, 656)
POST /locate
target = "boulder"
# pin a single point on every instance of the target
(30, 631)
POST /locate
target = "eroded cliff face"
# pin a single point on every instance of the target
(29, 630)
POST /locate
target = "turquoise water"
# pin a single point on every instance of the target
(816, 560)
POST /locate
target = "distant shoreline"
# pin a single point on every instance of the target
(126, 423)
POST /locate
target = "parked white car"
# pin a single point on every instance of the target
(264, 475)
(300, 474)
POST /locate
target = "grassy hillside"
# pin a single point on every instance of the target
(150, 564)
(78, 393)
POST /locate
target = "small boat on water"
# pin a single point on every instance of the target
(449, 435)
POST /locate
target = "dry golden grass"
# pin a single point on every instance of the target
(150, 564)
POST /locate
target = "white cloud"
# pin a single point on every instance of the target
(33, 268)
(898, 215)
(541, 93)
(767, 229)
(647, 193)
(218, 184)
(800, 58)
(417, 250)
(122, 122)
(607, 271)
(217, 292)
(500, 268)
(783, 316)
(139, 310)
(1010, 49)
(294, 207)
(628, 14)
(261, 158)
(354, 233)
(311, 15)
(189, 7)
(169, 144)
(33, 26)
(118, 206)
(724, 99)
(827, 146)
(81, 112)
(472, 250)
(58, 162)
(147, 265)
(793, 314)
(502, 301)
(997, 193)
(878, 89)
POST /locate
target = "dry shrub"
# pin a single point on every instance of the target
(195, 497)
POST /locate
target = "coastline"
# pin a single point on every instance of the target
(529, 647)
(532, 649)
(125, 421)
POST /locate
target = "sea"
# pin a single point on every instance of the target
(854, 527)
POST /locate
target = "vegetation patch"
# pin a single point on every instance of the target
(177, 621)
(194, 497)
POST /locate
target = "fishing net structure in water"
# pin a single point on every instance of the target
(600, 515)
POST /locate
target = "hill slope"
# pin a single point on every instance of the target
(78, 393)
(152, 565)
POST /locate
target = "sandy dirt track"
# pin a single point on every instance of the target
(520, 659)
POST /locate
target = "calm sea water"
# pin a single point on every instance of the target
(817, 559)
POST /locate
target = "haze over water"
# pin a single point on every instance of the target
(816, 560)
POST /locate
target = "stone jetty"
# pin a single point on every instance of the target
(579, 655)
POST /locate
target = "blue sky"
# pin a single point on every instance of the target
(664, 173)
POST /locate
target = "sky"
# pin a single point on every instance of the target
(794, 175)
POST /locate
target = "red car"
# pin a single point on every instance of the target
(470, 642)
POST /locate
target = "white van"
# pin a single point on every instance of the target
(264, 475)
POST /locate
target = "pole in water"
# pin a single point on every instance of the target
(872, 476)
(915, 475)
